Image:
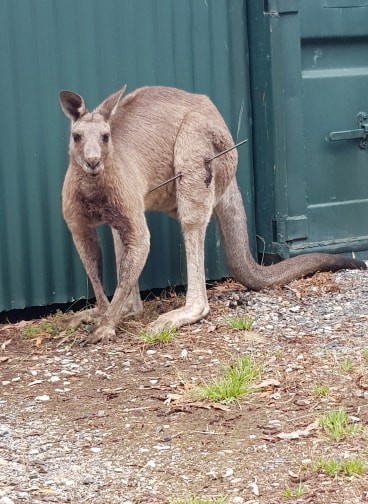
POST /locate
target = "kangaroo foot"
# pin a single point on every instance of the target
(103, 334)
(179, 317)
(86, 316)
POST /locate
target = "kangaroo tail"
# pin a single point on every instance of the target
(232, 222)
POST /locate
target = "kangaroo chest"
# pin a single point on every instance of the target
(98, 208)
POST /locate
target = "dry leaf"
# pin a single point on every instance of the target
(220, 406)
(39, 340)
(173, 397)
(271, 382)
(362, 381)
(288, 436)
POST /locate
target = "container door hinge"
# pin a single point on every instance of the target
(360, 134)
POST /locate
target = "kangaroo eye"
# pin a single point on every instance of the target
(105, 138)
(77, 137)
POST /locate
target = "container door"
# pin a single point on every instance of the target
(334, 55)
(309, 90)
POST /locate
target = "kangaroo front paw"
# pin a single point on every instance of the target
(102, 334)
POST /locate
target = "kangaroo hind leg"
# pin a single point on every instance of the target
(195, 195)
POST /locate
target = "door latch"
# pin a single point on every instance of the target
(360, 134)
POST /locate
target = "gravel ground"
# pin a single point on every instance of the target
(118, 424)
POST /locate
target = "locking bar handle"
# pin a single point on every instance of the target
(360, 134)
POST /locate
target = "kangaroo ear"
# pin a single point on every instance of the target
(72, 104)
(109, 106)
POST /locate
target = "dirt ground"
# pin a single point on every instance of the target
(121, 422)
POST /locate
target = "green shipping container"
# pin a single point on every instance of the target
(289, 75)
(94, 47)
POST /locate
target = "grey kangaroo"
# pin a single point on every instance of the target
(131, 144)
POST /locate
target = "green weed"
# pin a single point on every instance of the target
(51, 326)
(337, 425)
(290, 493)
(321, 390)
(236, 381)
(155, 338)
(240, 323)
(347, 365)
(333, 466)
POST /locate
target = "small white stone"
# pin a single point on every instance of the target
(151, 464)
(4, 429)
(54, 379)
(161, 447)
(35, 382)
(95, 449)
(6, 500)
(228, 472)
(212, 474)
(42, 398)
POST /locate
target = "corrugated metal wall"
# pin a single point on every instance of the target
(93, 47)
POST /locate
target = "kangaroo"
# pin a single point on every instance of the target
(129, 145)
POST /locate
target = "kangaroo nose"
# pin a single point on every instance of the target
(93, 162)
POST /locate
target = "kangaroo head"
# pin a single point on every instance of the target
(90, 140)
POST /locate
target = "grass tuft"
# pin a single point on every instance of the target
(347, 365)
(240, 323)
(290, 493)
(236, 382)
(334, 466)
(51, 326)
(156, 338)
(337, 424)
(321, 390)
